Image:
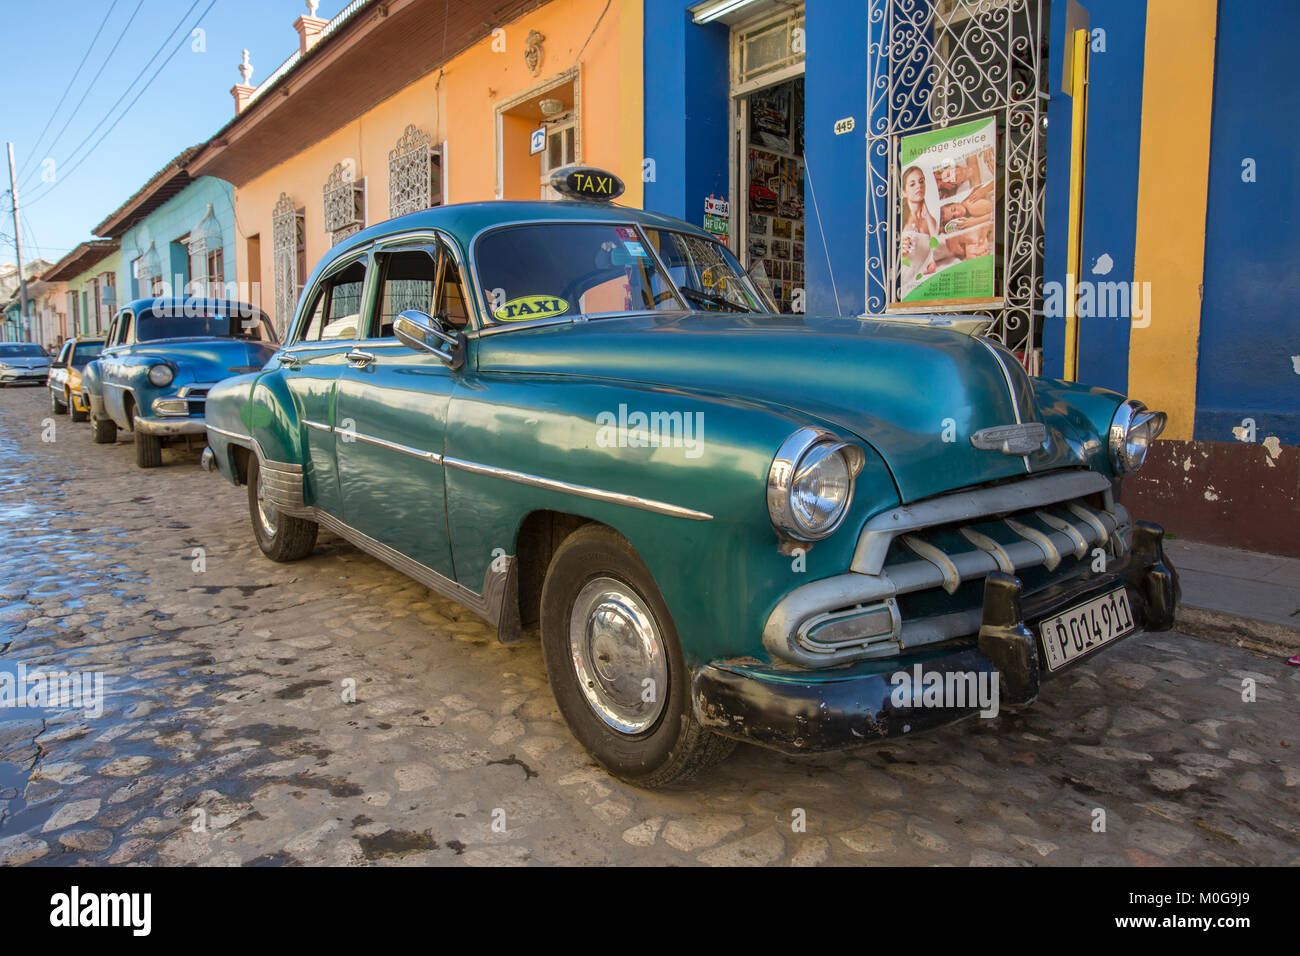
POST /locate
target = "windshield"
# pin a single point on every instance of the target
(706, 272)
(22, 351)
(154, 325)
(551, 269)
(85, 353)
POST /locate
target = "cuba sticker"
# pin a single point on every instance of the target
(531, 307)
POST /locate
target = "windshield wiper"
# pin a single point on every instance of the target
(708, 297)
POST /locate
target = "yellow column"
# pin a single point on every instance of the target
(631, 26)
(1173, 183)
(1078, 159)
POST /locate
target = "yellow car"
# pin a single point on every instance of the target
(65, 376)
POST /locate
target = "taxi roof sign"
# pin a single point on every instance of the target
(586, 182)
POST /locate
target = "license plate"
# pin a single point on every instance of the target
(1086, 627)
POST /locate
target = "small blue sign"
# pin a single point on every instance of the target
(537, 141)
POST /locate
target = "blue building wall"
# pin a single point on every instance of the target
(1250, 324)
(169, 222)
(686, 93)
(835, 87)
(1109, 186)
(687, 98)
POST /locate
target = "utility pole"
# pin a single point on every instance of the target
(24, 329)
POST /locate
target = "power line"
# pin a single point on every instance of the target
(130, 85)
(67, 89)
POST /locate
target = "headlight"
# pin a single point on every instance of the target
(1132, 431)
(810, 483)
(161, 375)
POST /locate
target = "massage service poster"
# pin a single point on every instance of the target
(947, 235)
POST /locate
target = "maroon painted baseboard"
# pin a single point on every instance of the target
(1229, 493)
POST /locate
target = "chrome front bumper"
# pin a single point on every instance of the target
(169, 427)
(855, 616)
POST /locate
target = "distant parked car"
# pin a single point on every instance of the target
(23, 363)
(65, 376)
(161, 357)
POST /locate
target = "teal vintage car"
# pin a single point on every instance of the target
(729, 524)
(158, 361)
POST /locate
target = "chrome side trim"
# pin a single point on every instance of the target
(429, 456)
(581, 491)
(319, 426)
(487, 605)
(984, 503)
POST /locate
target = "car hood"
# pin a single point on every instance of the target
(914, 394)
(25, 361)
(210, 360)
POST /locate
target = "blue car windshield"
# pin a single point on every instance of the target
(23, 350)
(154, 325)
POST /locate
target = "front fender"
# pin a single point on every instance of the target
(1081, 414)
(258, 408)
(721, 574)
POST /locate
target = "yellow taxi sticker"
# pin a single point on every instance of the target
(531, 307)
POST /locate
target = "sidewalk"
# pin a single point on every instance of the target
(1238, 597)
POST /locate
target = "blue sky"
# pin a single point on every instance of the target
(186, 103)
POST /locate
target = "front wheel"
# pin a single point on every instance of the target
(103, 431)
(148, 450)
(281, 537)
(76, 414)
(56, 406)
(615, 665)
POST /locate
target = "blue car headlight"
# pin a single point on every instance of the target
(161, 374)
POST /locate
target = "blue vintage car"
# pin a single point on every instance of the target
(728, 524)
(160, 358)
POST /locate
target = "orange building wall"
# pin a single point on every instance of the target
(458, 104)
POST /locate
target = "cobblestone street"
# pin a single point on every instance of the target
(225, 737)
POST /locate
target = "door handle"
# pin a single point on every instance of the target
(289, 361)
(359, 359)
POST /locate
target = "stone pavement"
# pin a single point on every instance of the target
(227, 735)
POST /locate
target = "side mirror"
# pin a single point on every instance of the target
(420, 330)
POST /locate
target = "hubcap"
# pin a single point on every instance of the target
(266, 512)
(618, 655)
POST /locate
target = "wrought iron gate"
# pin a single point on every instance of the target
(935, 63)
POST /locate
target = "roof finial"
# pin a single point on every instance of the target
(311, 7)
(246, 69)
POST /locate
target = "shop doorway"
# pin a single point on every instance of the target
(767, 195)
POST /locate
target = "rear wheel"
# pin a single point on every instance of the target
(281, 537)
(103, 431)
(615, 664)
(148, 450)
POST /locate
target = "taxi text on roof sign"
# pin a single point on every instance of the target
(586, 182)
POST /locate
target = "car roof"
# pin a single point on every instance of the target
(179, 303)
(464, 221)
